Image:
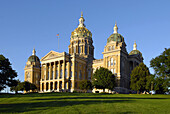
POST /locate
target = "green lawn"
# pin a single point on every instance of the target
(84, 103)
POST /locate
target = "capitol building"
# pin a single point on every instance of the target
(64, 71)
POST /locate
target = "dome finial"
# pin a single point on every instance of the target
(115, 28)
(134, 46)
(81, 13)
(81, 21)
(33, 52)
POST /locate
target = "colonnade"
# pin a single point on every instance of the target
(56, 76)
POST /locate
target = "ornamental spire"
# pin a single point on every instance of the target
(134, 46)
(115, 28)
(81, 21)
(33, 52)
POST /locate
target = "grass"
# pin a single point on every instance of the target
(75, 103)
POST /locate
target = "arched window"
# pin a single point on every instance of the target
(108, 63)
(112, 70)
(114, 62)
(65, 73)
(80, 74)
(74, 49)
(86, 50)
(75, 75)
(89, 74)
(113, 48)
(79, 49)
(111, 61)
(109, 48)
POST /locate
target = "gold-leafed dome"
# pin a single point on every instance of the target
(81, 30)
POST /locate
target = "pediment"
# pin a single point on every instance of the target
(51, 55)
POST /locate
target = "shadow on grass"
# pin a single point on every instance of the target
(26, 107)
(111, 98)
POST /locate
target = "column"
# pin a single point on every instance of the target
(46, 72)
(58, 83)
(73, 71)
(64, 68)
(53, 85)
(40, 86)
(83, 49)
(59, 67)
(49, 71)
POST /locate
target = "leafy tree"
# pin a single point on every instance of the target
(16, 87)
(27, 86)
(7, 74)
(33, 87)
(150, 82)
(161, 66)
(103, 78)
(85, 85)
(138, 77)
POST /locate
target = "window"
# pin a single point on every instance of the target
(66, 85)
(71, 74)
(52, 73)
(108, 63)
(80, 75)
(89, 74)
(65, 73)
(70, 84)
(112, 70)
(75, 75)
(79, 49)
(109, 48)
(114, 62)
(28, 75)
(76, 84)
(113, 48)
(75, 49)
(86, 50)
(111, 61)
(48, 75)
(56, 74)
(61, 72)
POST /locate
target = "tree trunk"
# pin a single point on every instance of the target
(103, 90)
(138, 92)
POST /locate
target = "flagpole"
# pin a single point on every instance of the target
(58, 43)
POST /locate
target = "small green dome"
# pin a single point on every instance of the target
(136, 52)
(115, 37)
(33, 58)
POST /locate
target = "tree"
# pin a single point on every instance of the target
(16, 87)
(27, 86)
(161, 66)
(139, 77)
(33, 87)
(103, 78)
(85, 85)
(150, 82)
(7, 74)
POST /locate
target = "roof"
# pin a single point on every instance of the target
(115, 37)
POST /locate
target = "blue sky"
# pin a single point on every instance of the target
(25, 24)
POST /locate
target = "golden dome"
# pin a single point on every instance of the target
(81, 31)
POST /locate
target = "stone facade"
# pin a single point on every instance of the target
(64, 71)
